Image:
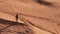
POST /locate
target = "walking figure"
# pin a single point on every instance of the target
(16, 17)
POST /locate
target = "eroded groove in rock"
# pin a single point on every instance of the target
(44, 2)
(14, 27)
(40, 27)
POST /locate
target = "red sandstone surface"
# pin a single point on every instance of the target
(45, 19)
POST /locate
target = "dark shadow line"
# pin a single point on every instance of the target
(37, 26)
(11, 23)
(43, 2)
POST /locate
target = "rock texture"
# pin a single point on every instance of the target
(11, 27)
(42, 16)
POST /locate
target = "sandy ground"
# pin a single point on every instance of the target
(44, 17)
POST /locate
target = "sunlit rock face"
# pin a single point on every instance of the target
(43, 14)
